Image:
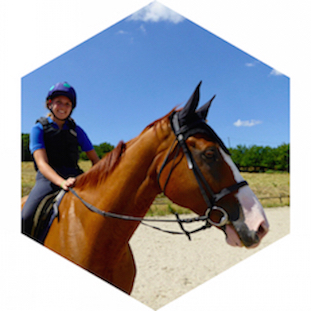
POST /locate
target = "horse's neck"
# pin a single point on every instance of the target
(136, 175)
(132, 186)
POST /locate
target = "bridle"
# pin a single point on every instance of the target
(210, 198)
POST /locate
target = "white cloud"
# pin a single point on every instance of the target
(142, 28)
(248, 123)
(122, 32)
(274, 72)
(156, 12)
(252, 64)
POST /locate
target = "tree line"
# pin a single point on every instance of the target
(260, 159)
(249, 159)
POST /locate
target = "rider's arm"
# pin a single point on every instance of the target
(92, 155)
(48, 172)
(86, 145)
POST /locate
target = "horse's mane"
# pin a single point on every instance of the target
(102, 169)
(157, 122)
(99, 172)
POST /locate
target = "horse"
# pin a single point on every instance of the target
(179, 155)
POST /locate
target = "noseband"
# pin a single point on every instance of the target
(210, 198)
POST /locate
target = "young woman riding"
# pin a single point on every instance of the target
(54, 144)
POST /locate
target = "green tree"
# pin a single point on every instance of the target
(261, 158)
(253, 156)
(101, 150)
(282, 157)
(268, 158)
(26, 155)
(105, 148)
(237, 154)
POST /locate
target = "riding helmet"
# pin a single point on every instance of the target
(63, 88)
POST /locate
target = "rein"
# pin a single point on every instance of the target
(144, 220)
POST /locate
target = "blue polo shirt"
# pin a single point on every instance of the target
(37, 141)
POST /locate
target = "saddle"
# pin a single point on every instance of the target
(46, 212)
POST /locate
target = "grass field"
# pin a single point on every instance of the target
(267, 186)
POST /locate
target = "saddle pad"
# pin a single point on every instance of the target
(46, 212)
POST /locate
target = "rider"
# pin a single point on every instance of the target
(54, 143)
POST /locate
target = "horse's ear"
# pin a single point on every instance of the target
(203, 111)
(191, 105)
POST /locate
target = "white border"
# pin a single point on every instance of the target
(275, 32)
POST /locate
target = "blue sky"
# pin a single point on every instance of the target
(137, 70)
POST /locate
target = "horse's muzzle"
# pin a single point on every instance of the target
(249, 238)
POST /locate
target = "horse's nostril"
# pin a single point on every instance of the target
(262, 230)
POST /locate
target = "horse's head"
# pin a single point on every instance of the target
(211, 184)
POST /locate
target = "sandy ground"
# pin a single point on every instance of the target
(170, 265)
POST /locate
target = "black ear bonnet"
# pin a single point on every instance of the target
(190, 121)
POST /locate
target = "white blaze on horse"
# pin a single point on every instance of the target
(179, 155)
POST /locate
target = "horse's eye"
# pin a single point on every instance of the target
(209, 154)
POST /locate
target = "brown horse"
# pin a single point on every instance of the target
(178, 154)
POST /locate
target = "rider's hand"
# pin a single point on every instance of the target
(68, 183)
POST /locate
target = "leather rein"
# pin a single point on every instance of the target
(210, 200)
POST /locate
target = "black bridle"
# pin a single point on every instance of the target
(210, 198)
